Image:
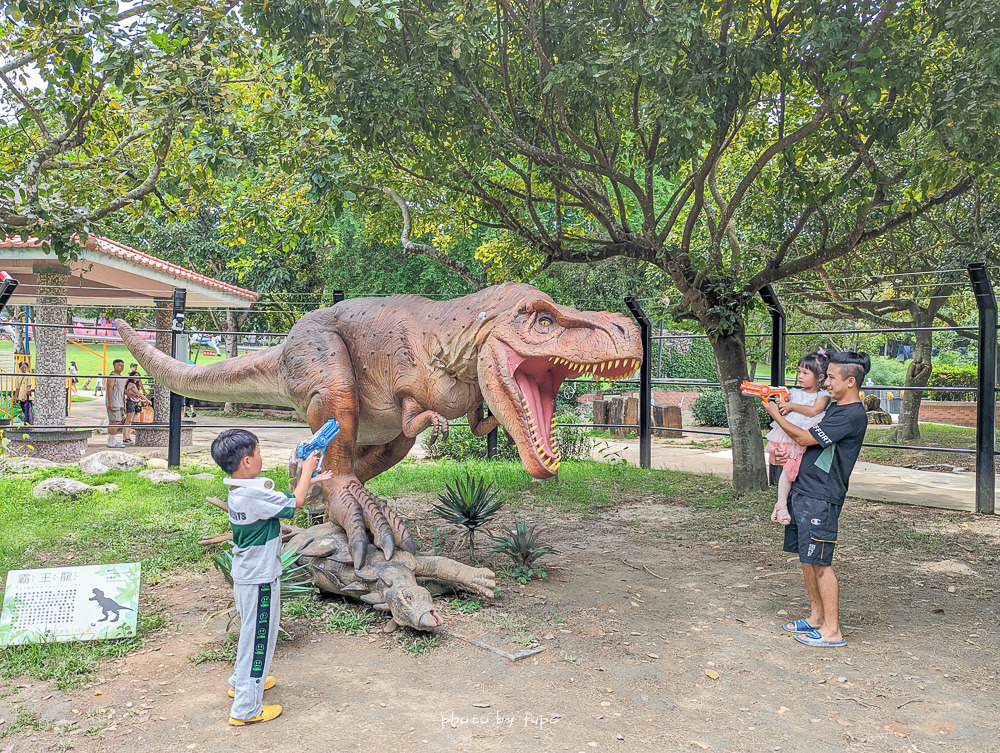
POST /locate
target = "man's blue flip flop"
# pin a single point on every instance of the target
(813, 638)
(799, 626)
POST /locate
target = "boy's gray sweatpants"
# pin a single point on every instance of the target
(259, 607)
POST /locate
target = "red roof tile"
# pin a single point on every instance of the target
(113, 248)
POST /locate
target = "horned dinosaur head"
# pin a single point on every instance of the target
(395, 589)
(535, 344)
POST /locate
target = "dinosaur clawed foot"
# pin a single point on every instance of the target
(482, 580)
(358, 511)
(439, 424)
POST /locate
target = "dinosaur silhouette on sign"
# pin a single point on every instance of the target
(108, 605)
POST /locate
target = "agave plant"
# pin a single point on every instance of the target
(471, 504)
(523, 546)
(295, 581)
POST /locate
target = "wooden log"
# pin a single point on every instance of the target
(600, 414)
(616, 408)
(668, 416)
(630, 416)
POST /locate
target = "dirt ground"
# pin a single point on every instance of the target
(661, 628)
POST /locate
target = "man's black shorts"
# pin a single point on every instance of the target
(812, 534)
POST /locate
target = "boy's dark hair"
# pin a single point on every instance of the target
(854, 364)
(231, 446)
(816, 363)
(118, 360)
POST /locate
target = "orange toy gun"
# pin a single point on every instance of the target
(763, 391)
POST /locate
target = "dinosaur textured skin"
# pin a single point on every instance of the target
(401, 585)
(389, 368)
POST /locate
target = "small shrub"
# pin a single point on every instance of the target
(471, 504)
(887, 372)
(574, 444)
(710, 410)
(524, 548)
(687, 358)
(462, 445)
(953, 376)
(295, 581)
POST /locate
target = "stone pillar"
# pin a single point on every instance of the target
(50, 345)
(161, 395)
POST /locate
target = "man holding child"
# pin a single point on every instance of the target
(817, 494)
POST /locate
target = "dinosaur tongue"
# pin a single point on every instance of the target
(538, 381)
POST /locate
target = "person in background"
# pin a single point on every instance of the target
(133, 373)
(24, 389)
(115, 401)
(134, 400)
(73, 378)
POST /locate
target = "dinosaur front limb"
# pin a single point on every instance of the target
(416, 420)
(481, 426)
(371, 460)
(480, 580)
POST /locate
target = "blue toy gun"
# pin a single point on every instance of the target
(319, 441)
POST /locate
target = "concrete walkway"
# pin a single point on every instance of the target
(881, 483)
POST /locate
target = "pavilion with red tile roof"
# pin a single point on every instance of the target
(104, 274)
(108, 273)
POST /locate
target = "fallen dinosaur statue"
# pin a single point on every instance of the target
(404, 585)
(389, 368)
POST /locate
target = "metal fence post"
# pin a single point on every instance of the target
(178, 349)
(986, 427)
(338, 296)
(645, 392)
(770, 299)
(491, 440)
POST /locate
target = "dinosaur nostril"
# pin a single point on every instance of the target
(620, 328)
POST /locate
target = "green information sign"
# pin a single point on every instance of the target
(70, 604)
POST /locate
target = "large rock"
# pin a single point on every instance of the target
(111, 460)
(21, 465)
(63, 487)
(159, 476)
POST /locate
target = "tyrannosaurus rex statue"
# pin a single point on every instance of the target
(389, 368)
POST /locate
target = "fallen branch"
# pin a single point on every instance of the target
(644, 568)
(507, 654)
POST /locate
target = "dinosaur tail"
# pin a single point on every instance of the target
(252, 378)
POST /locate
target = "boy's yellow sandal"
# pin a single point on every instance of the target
(267, 714)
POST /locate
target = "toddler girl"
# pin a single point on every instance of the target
(805, 407)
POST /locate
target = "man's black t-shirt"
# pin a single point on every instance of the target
(826, 467)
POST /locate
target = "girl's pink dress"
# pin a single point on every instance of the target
(777, 439)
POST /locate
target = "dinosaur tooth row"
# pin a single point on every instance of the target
(549, 460)
(598, 370)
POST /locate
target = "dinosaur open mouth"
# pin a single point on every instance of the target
(538, 381)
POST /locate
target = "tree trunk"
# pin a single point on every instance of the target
(18, 314)
(749, 469)
(917, 375)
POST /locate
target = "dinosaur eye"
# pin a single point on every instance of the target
(545, 320)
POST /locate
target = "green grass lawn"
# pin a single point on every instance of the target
(157, 524)
(931, 435)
